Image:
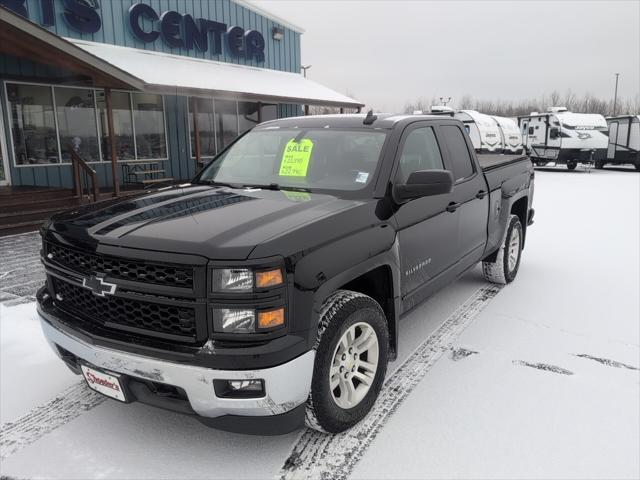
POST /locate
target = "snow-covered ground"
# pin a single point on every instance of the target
(542, 383)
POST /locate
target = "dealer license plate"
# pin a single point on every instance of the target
(104, 383)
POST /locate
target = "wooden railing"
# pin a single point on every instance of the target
(82, 173)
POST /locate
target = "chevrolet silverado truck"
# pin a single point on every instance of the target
(268, 291)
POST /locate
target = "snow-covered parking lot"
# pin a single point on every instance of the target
(539, 379)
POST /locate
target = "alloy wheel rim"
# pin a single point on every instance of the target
(354, 365)
(514, 249)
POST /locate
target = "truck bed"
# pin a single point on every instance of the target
(489, 161)
(500, 168)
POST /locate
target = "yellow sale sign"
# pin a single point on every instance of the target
(295, 158)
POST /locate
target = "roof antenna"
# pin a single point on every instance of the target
(370, 118)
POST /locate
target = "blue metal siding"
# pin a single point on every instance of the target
(279, 55)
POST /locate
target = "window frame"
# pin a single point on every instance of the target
(405, 135)
(449, 157)
(192, 155)
(99, 132)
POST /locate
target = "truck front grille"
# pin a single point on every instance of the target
(127, 269)
(119, 313)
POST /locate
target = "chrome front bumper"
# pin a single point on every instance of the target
(287, 386)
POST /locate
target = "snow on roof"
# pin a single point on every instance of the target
(169, 73)
(582, 119)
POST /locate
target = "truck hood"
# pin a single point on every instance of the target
(214, 222)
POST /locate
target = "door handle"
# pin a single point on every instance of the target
(481, 194)
(452, 207)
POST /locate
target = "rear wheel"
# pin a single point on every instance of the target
(351, 361)
(572, 165)
(637, 165)
(505, 267)
(599, 164)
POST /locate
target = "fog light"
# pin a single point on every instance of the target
(239, 388)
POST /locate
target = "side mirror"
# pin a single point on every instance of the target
(424, 183)
(554, 132)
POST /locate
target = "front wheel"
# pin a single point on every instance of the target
(572, 165)
(599, 164)
(505, 267)
(352, 348)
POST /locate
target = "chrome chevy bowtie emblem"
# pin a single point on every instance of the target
(98, 286)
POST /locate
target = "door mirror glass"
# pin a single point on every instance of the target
(424, 183)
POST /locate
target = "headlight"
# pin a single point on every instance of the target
(231, 320)
(242, 320)
(232, 280)
(245, 280)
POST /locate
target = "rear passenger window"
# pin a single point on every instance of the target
(419, 152)
(458, 151)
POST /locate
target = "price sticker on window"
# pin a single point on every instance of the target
(295, 159)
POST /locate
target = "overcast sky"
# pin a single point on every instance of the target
(389, 52)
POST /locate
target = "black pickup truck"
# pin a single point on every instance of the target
(269, 289)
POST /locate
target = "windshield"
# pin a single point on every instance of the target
(308, 159)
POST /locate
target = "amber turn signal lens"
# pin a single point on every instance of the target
(271, 318)
(269, 278)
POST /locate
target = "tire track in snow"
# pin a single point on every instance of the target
(318, 455)
(43, 419)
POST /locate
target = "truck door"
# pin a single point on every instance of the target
(427, 232)
(470, 196)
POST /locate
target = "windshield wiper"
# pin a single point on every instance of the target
(275, 186)
(219, 184)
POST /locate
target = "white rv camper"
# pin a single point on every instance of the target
(484, 131)
(563, 137)
(624, 141)
(511, 138)
(489, 134)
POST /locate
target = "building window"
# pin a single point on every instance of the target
(221, 121)
(77, 126)
(226, 113)
(206, 127)
(33, 124)
(149, 127)
(122, 125)
(269, 112)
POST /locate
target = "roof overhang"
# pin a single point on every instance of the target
(22, 38)
(174, 74)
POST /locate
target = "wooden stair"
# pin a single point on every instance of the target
(24, 209)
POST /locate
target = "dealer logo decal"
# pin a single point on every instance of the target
(98, 286)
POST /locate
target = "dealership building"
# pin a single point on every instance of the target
(110, 95)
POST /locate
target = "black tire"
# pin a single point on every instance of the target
(340, 311)
(637, 165)
(499, 271)
(572, 165)
(599, 164)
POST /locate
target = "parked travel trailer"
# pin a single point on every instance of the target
(489, 133)
(624, 141)
(484, 131)
(562, 137)
(511, 138)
